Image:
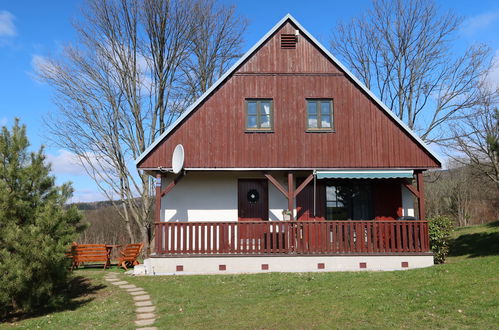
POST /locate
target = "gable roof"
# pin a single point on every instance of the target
(250, 52)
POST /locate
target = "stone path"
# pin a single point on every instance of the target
(145, 308)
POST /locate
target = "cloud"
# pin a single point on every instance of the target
(479, 22)
(39, 62)
(492, 78)
(3, 121)
(65, 162)
(7, 27)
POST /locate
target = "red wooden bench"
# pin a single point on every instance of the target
(129, 255)
(82, 253)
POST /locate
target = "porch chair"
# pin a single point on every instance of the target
(129, 255)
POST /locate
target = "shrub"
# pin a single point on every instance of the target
(440, 229)
(36, 228)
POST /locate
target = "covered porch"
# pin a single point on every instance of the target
(317, 212)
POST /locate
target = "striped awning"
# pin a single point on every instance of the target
(364, 174)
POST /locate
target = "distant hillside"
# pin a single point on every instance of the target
(85, 206)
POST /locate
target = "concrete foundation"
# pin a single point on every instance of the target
(265, 264)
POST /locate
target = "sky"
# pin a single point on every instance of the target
(31, 30)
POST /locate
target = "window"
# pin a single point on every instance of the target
(320, 114)
(259, 116)
(348, 201)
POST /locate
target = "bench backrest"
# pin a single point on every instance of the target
(132, 251)
(90, 252)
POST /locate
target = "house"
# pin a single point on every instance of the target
(291, 164)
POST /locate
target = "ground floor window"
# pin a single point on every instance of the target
(349, 200)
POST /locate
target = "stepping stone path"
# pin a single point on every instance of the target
(145, 309)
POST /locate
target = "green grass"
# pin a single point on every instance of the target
(464, 293)
(95, 304)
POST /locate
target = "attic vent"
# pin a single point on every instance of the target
(288, 41)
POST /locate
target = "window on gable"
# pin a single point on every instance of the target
(259, 115)
(320, 114)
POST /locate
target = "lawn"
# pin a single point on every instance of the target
(464, 293)
(94, 305)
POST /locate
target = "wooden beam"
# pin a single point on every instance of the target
(304, 184)
(412, 189)
(291, 195)
(172, 184)
(419, 176)
(277, 184)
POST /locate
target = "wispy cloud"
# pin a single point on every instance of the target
(7, 27)
(65, 162)
(479, 22)
(38, 62)
(493, 75)
(3, 121)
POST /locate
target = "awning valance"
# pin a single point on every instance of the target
(364, 174)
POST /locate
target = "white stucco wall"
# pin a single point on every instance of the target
(212, 196)
(407, 202)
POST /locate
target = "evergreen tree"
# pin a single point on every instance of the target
(36, 227)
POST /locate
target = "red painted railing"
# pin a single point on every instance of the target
(291, 237)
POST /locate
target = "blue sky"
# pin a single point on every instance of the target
(30, 30)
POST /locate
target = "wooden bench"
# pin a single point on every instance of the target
(90, 253)
(129, 255)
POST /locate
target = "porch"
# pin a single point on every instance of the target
(287, 221)
(264, 238)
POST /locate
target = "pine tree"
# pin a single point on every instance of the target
(36, 227)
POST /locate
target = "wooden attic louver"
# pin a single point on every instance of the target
(288, 41)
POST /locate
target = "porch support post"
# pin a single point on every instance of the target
(157, 214)
(157, 217)
(291, 195)
(290, 192)
(419, 177)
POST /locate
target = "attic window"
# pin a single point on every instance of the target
(288, 41)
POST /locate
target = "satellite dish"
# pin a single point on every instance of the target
(178, 159)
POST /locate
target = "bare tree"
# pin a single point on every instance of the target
(120, 86)
(402, 51)
(215, 44)
(475, 139)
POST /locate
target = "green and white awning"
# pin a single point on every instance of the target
(365, 174)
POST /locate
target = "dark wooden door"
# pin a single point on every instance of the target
(253, 200)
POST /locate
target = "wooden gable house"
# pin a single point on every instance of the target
(288, 153)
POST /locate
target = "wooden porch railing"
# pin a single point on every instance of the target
(291, 237)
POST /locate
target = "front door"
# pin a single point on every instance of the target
(253, 200)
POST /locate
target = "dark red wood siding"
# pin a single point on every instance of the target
(365, 137)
